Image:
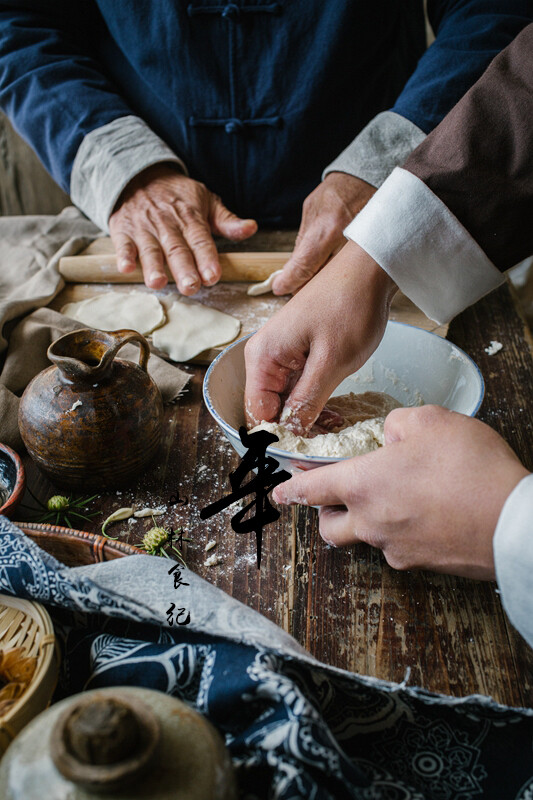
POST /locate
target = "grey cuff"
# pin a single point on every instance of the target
(513, 557)
(107, 160)
(417, 240)
(383, 144)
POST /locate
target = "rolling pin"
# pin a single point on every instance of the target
(102, 267)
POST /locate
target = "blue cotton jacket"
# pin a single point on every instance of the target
(255, 97)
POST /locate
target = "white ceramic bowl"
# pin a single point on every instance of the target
(410, 364)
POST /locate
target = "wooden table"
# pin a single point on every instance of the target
(348, 607)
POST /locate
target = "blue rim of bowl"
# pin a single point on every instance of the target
(276, 451)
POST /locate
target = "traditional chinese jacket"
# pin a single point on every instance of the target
(254, 98)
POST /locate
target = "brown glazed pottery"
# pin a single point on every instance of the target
(12, 480)
(92, 421)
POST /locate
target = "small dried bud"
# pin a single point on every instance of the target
(154, 539)
(57, 502)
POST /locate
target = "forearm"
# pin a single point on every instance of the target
(460, 211)
(59, 100)
(478, 162)
(513, 556)
(381, 146)
(468, 35)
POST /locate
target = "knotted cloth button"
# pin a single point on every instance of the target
(233, 126)
(231, 11)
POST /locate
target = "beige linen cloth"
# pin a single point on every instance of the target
(30, 249)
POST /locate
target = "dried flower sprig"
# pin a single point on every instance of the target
(156, 539)
(62, 508)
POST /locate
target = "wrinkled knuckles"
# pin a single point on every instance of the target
(200, 244)
(126, 250)
(177, 250)
(148, 250)
(190, 214)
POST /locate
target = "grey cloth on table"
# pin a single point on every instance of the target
(30, 249)
(383, 144)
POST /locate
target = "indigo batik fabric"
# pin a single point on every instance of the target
(296, 728)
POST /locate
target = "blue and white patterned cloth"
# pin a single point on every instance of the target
(296, 728)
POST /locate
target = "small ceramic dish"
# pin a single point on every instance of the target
(12, 480)
(410, 364)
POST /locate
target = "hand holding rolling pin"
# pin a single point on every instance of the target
(162, 215)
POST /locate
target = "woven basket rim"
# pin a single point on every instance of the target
(123, 547)
(45, 655)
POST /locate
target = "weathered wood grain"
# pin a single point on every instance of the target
(348, 607)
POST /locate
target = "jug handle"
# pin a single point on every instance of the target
(123, 337)
(100, 346)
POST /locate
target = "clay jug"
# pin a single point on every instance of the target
(92, 420)
(125, 742)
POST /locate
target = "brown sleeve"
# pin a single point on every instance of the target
(479, 160)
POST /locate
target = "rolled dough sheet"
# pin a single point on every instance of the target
(192, 328)
(139, 311)
(264, 286)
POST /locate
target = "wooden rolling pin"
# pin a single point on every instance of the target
(102, 267)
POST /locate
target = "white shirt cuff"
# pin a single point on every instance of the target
(424, 248)
(107, 160)
(383, 144)
(513, 557)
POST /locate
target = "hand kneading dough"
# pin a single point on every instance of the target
(138, 311)
(192, 328)
(361, 431)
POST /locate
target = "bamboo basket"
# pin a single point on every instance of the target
(27, 624)
(76, 548)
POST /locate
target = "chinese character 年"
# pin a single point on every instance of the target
(260, 484)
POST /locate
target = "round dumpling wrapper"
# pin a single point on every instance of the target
(192, 328)
(138, 311)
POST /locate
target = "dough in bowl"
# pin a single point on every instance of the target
(192, 328)
(361, 430)
(138, 311)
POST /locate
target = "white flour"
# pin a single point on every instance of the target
(363, 437)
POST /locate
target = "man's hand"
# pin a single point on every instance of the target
(324, 333)
(326, 212)
(164, 216)
(430, 499)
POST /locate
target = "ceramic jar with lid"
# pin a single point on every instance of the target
(123, 743)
